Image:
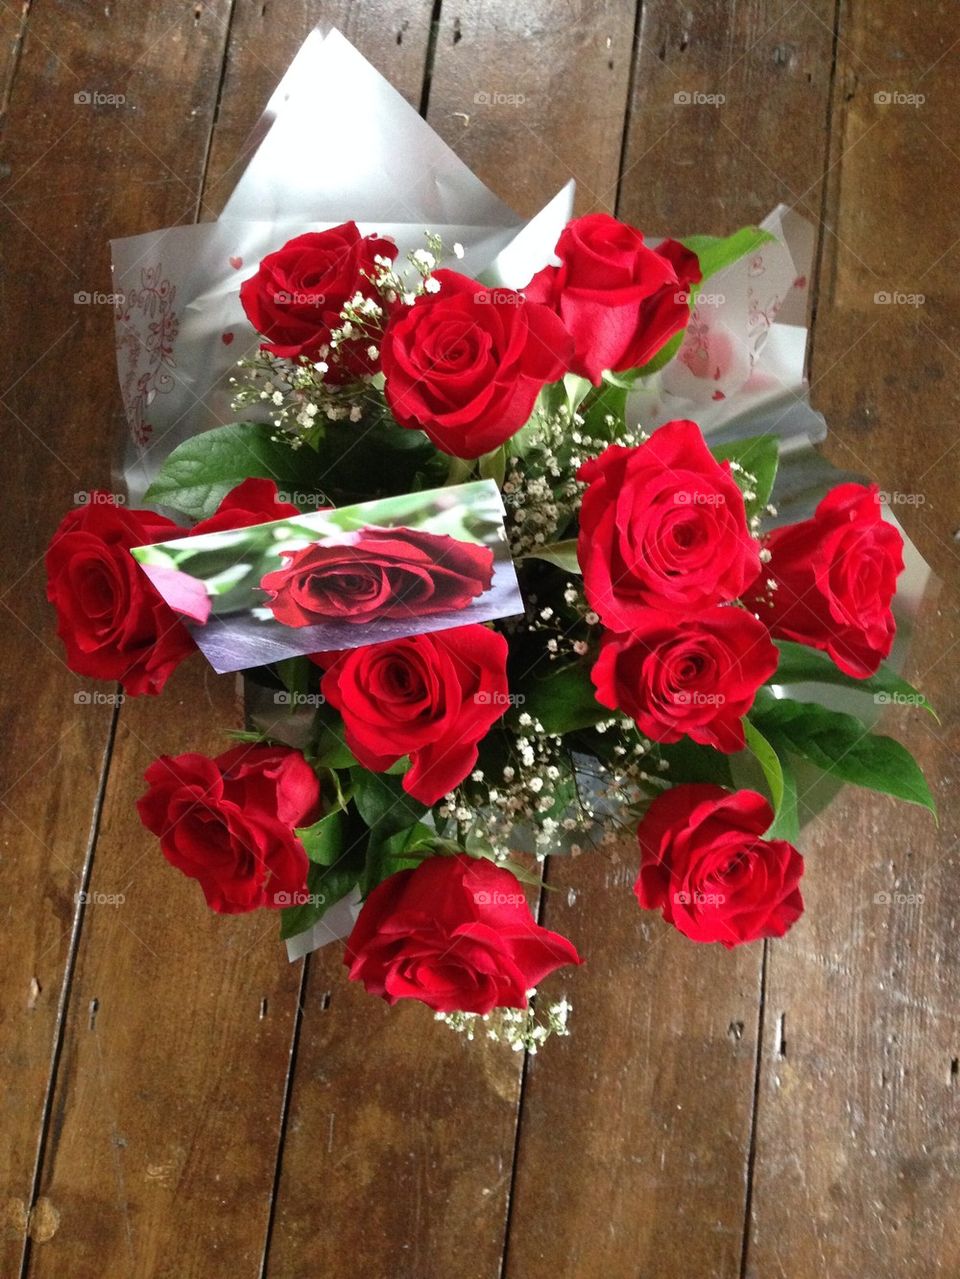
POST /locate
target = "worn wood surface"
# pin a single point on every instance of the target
(179, 1101)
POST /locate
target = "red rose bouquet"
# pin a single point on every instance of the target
(405, 791)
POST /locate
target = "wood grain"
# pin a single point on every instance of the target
(857, 1162)
(59, 402)
(654, 1090)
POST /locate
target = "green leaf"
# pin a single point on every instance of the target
(759, 457)
(293, 673)
(840, 745)
(563, 700)
(802, 665)
(768, 760)
(200, 472)
(786, 823)
(326, 885)
(323, 841)
(715, 253)
(383, 803)
(563, 554)
(609, 400)
(493, 466)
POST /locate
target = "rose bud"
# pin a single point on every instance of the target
(466, 364)
(296, 297)
(834, 578)
(432, 697)
(229, 823)
(707, 868)
(113, 623)
(375, 574)
(621, 300)
(455, 933)
(694, 678)
(662, 526)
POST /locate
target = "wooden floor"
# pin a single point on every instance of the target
(176, 1099)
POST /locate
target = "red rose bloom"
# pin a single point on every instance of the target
(228, 822)
(466, 364)
(376, 574)
(298, 293)
(621, 300)
(252, 502)
(432, 697)
(836, 576)
(696, 678)
(662, 526)
(113, 623)
(455, 933)
(708, 870)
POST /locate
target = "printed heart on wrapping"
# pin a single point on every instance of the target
(236, 263)
(226, 338)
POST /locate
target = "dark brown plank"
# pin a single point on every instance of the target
(654, 1089)
(401, 1135)
(70, 175)
(857, 1164)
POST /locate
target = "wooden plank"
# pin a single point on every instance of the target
(401, 1135)
(857, 1163)
(654, 1089)
(70, 175)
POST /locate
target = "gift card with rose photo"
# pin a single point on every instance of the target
(338, 579)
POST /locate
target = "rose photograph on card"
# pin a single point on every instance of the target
(340, 578)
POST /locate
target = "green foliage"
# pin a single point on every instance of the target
(759, 457)
(802, 665)
(716, 253)
(563, 699)
(562, 554)
(842, 747)
(200, 472)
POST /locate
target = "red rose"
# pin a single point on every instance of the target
(112, 622)
(432, 697)
(707, 868)
(662, 526)
(621, 300)
(466, 364)
(298, 293)
(375, 574)
(836, 576)
(693, 678)
(252, 502)
(455, 933)
(228, 822)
